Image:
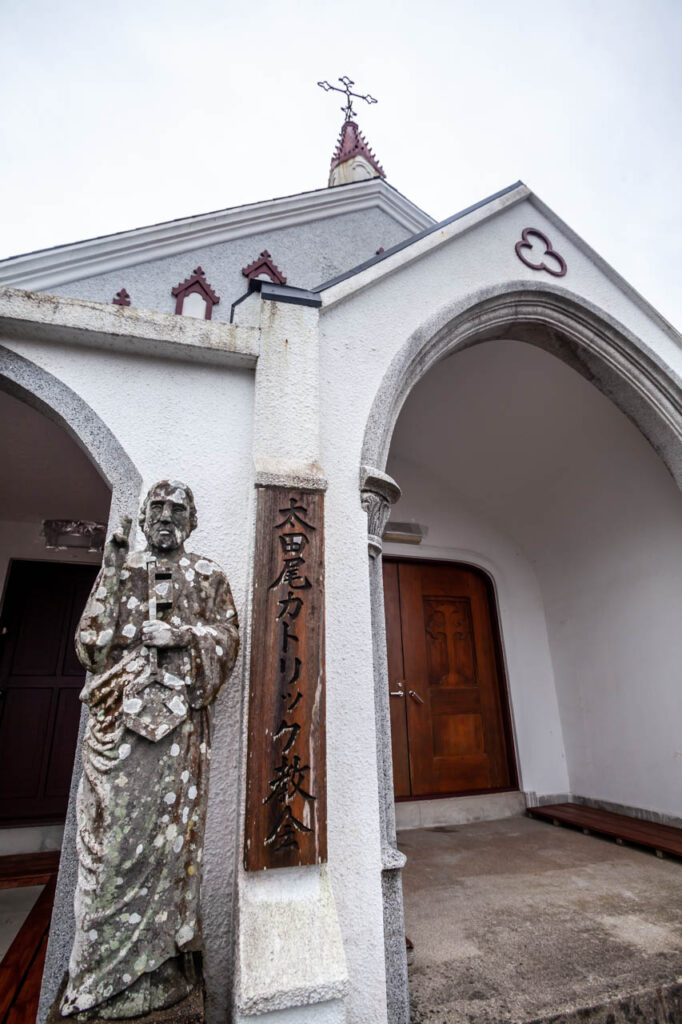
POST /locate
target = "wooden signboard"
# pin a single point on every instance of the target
(286, 801)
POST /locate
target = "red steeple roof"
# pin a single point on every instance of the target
(352, 143)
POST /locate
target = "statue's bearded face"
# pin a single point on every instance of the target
(167, 518)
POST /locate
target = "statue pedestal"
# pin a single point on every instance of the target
(188, 1011)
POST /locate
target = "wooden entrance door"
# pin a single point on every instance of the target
(40, 680)
(449, 720)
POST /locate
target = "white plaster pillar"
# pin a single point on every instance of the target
(286, 443)
(290, 960)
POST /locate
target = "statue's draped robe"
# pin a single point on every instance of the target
(142, 805)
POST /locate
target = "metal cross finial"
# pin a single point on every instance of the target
(347, 82)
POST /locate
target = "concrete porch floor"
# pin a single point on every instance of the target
(517, 921)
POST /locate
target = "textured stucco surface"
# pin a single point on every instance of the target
(289, 910)
(34, 316)
(355, 854)
(331, 1012)
(306, 254)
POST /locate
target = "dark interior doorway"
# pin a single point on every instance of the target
(450, 723)
(40, 680)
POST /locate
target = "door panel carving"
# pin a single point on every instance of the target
(451, 658)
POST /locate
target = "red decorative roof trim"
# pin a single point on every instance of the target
(353, 143)
(264, 265)
(196, 283)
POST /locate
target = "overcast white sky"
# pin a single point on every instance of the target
(127, 113)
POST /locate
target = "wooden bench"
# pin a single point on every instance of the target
(661, 838)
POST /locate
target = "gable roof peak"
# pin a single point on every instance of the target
(353, 160)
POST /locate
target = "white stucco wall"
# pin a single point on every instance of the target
(611, 576)
(379, 309)
(195, 423)
(306, 254)
(175, 419)
(459, 533)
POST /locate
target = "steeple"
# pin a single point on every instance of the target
(353, 160)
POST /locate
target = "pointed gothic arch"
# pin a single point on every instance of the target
(587, 339)
(47, 394)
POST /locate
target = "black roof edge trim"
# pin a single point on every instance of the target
(238, 301)
(287, 293)
(415, 238)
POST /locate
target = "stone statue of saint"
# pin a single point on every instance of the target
(159, 635)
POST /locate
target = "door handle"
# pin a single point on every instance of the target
(396, 693)
(415, 696)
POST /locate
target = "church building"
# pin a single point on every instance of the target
(440, 465)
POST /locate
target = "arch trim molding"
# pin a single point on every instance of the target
(38, 388)
(33, 385)
(589, 340)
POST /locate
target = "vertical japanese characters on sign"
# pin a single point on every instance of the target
(290, 775)
(286, 799)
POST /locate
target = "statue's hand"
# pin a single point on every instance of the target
(116, 548)
(160, 634)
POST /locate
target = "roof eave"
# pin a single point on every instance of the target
(401, 255)
(605, 267)
(48, 268)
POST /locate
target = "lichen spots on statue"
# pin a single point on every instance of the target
(159, 635)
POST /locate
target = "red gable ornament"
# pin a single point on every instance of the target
(263, 266)
(196, 284)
